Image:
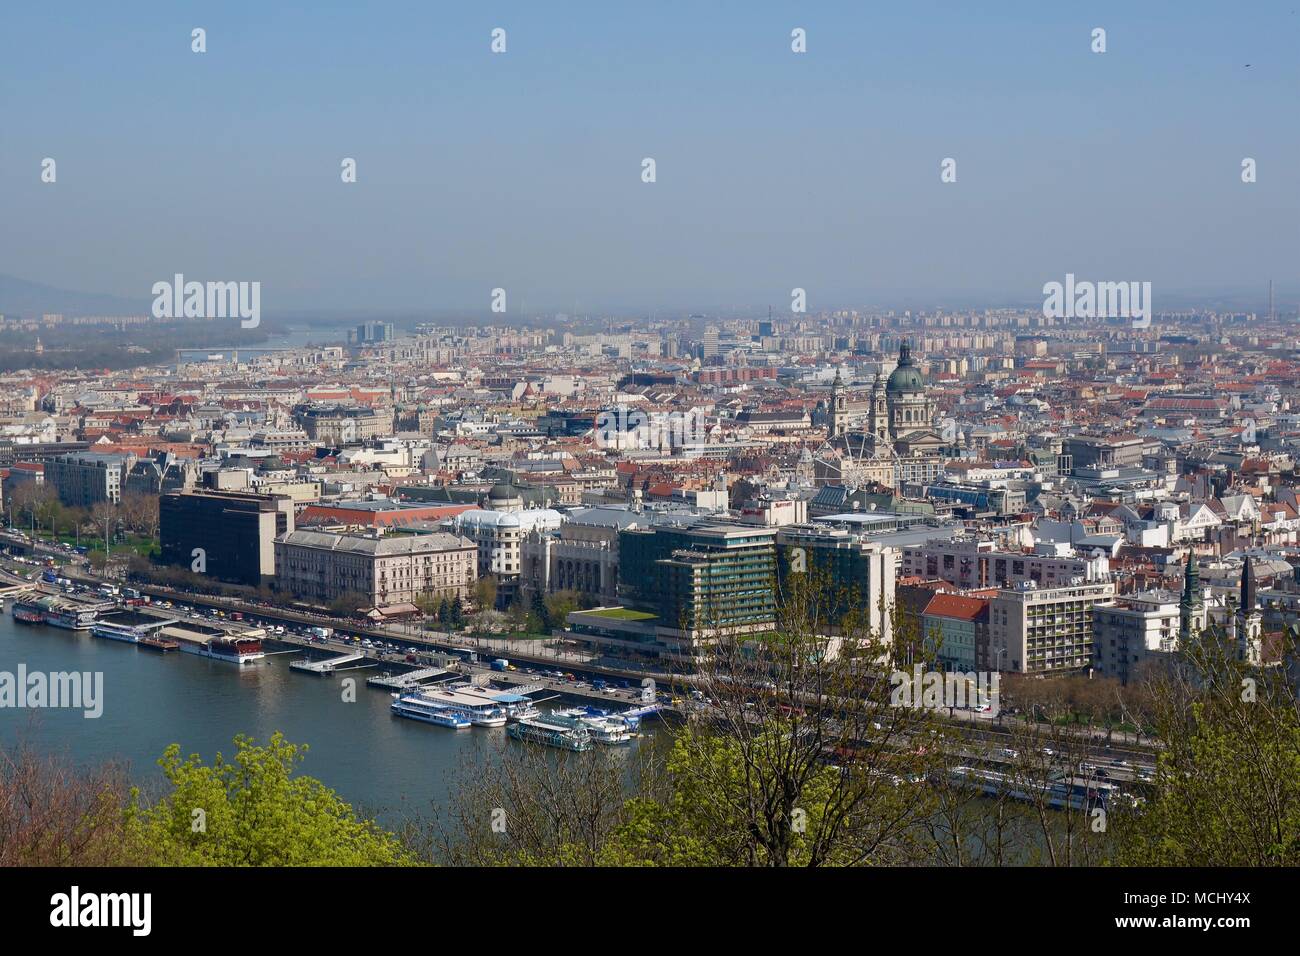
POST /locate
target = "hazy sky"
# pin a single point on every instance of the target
(523, 170)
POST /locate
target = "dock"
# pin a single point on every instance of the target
(406, 681)
(327, 666)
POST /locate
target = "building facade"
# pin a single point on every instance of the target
(1044, 630)
(84, 480)
(228, 535)
(383, 570)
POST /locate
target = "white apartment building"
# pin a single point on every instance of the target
(1137, 629)
(499, 537)
(1044, 630)
(969, 562)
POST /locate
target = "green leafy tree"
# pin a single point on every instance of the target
(255, 811)
(1227, 787)
(539, 616)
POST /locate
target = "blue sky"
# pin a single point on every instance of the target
(774, 169)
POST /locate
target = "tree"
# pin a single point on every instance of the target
(539, 616)
(1227, 786)
(255, 811)
(105, 517)
(347, 604)
(516, 613)
(526, 805)
(140, 513)
(52, 814)
(801, 758)
(485, 593)
(560, 604)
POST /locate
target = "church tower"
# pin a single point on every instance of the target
(1190, 603)
(839, 408)
(879, 413)
(1248, 621)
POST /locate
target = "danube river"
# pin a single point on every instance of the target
(390, 766)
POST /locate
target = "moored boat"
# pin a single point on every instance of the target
(544, 730)
(417, 708)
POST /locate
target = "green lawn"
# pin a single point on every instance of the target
(620, 614)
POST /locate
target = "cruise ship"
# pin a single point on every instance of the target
(417, 707)
(32, 607)
(234, 650)
(479, 710)
(517, 706)
(1060, 793)
(27, 609)
(199, 639)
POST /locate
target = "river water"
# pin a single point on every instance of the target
(387, 765)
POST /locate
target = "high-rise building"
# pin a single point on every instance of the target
(84, 480)
(1042, 630)
(709, 347)
(700, 581)
(855, 573)
(227, 535)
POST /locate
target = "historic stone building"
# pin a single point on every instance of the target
(887, 438)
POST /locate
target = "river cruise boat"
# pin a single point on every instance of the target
(32, 607)
(416, 707)
(480, 711)
(27, 609)
(552, 733)
(605, 728)
(517, 706)
(233, 650)
(129, 627)
(1074, 793)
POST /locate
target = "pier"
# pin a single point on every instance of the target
(327, 666)
(406, 681)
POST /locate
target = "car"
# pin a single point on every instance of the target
(1009, 752)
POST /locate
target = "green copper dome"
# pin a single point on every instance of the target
(907, 377)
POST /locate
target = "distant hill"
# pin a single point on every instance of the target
(18, 297)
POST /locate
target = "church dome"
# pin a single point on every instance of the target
(906, 377)
(504, 491)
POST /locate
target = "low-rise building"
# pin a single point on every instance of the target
(381, 569)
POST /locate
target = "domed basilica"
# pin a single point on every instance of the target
(887, 436)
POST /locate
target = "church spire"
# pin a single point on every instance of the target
(1191, 598)
(1247, 592)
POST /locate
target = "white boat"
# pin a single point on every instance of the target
(552, 733)
(415, 708)
(478, 711)
(604, 727)
(115, 632)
